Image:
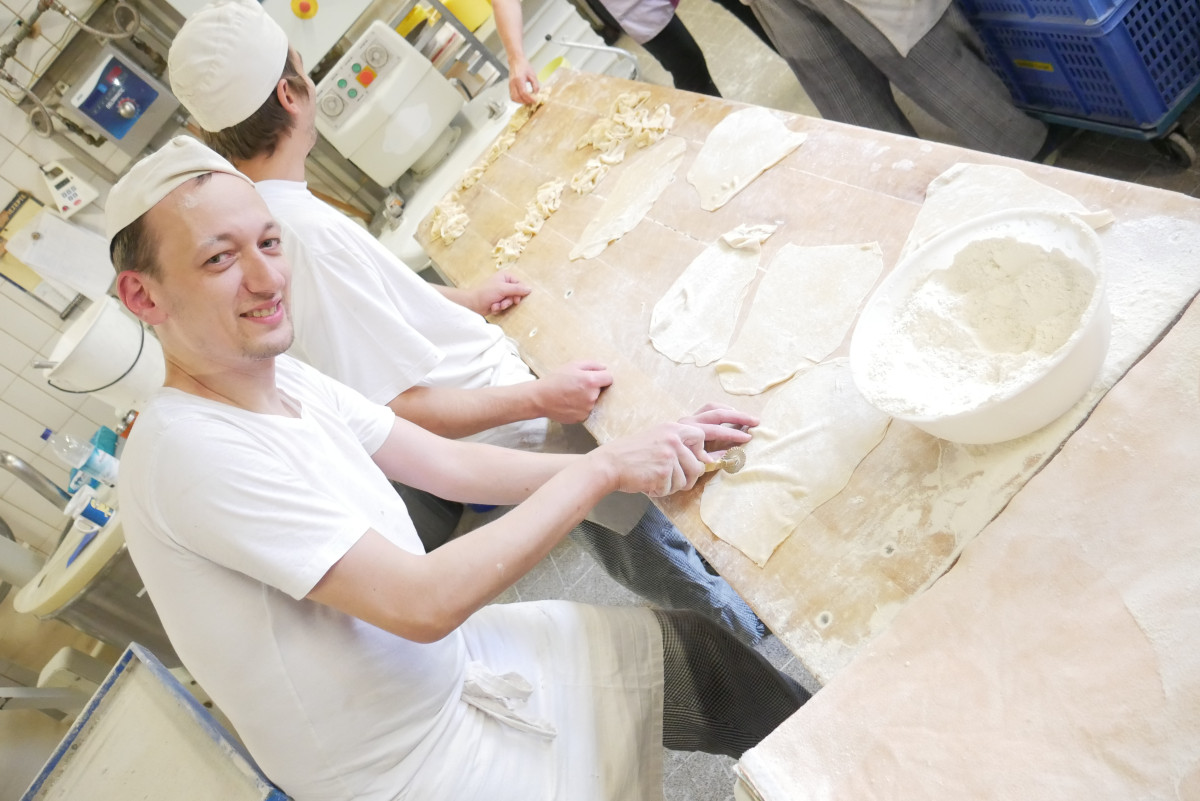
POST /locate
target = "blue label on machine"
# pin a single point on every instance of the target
(119, 98)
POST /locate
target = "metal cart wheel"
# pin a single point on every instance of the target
(1176, 146)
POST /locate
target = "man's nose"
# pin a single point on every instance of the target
(264, 273)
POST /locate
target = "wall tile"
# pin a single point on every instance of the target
(36, 53)
(25, 325)
(34, 306)
(22, 7)
(25, 431)
(23, 172)
(7, 190)
(14, 354)
(32, 401)
(24, 497)
(42, 149)
(29, 529)
(38, 379)
(20, 73)
(81, 8)
(13, 122)
(6, 378)
(99, 412)
(6, 149)
(57, 29)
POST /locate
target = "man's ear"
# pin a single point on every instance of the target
(287, 97)
(138, 293)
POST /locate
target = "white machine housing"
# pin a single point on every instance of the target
(383, 104)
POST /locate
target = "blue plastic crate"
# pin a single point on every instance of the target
(1077, 11)
(1129, 71)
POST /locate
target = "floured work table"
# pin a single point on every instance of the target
(915, 501)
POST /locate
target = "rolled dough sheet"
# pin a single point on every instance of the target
(1060, 657)
(694, 320)
(646, 174)
(967, 191)
(738, 149)
(804, 306)
(813, 433)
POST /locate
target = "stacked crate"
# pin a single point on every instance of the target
(1129, 64)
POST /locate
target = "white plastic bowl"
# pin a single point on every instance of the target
(1062, 377)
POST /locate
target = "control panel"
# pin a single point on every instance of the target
(349, 83)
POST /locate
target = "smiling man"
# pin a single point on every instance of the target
(364, 318)
(293, 585)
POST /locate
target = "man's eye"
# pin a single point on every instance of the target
(268, 244)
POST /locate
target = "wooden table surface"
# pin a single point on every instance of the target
(915, 501)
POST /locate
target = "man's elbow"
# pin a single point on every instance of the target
(424, 626)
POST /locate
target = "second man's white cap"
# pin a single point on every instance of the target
(226, 61)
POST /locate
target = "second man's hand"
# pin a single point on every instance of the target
(568, 394)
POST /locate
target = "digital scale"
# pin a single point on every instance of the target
(70, 192)
(127, 104)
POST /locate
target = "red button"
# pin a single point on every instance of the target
(305, 8)
(366, 76)
(77, 202)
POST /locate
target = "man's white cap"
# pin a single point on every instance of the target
(156, 176)
(226, 61)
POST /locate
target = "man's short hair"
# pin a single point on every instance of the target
(259, 133)
(135, 247)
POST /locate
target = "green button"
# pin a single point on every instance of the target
(356, 67)
(353, 93)
(341, 83)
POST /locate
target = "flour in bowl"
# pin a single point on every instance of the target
(982, 328)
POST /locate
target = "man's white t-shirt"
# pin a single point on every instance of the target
(232, 517)
(367, 320)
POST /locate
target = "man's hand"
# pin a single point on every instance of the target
(670, 457)
(499, 292)
(723, 427)
(568, 394)
(522, 81)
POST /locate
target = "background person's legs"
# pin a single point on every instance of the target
(719, 696)
(841, 82)
(679, 54)
(661, 565)
(944, 74)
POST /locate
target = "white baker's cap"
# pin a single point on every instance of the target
(154, 177)
(226, 61)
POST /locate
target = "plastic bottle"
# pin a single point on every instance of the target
(83, 456)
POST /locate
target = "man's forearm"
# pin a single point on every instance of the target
(425, 597)
(457, 413)
(508, 25)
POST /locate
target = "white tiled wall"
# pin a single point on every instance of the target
(29, 329)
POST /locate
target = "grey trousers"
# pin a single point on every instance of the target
(661, 565)
(847, 68)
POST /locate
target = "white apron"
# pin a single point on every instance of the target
(562, 702)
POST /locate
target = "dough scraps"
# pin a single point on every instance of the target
(629, 121)
(449, 219)
(740, 148)
(504, 141)
(814, 433)
(645, 177)
(546, 201)
(804, 306)
(967, 191)
(694, 321)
